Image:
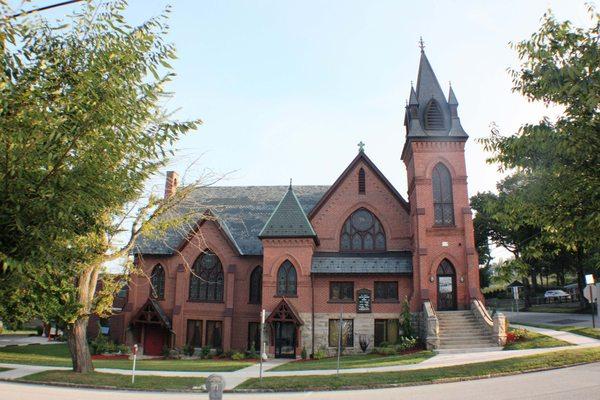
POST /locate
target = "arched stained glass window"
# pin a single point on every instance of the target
(362, 231)
(206, 281)
(443, 205)
(157, 282)
(434, 119)
(286, 279)
(256, 285)
(445, 268)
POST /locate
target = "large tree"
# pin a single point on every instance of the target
(560, 66)
(82, 128)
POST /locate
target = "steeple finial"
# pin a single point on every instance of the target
(290, 188)
(361, 147)
(421, 44)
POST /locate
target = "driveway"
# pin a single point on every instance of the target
(578, 383)
(559, 319)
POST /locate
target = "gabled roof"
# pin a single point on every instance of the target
(288, 219)
(284, 312)
(361, 156)
(152, 313)
(240, 211)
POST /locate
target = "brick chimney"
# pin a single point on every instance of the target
(171, 183)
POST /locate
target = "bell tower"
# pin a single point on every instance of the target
(445, 262)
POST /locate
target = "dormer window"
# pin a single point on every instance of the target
(434, 119)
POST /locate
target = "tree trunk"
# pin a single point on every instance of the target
(78, 346)
(580, 280)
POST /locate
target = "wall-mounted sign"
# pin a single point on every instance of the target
(363, 303)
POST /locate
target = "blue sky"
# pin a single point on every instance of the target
(286, 89)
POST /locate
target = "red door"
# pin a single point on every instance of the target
(154, 340)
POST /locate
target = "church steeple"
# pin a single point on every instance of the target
(428, 113)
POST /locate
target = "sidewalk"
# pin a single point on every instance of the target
(233, 379)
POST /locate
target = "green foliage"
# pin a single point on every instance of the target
(560, 157)
(205, 352)
(237, 356)
(188, 349)
(320, 353)
(304, 354)
(101, 344)
(406, 319)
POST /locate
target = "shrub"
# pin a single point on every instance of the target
(384, 344)
(406, 319)
(39, 330)
(385, 351)
(123, 349)
(188, 349)
(364, 341)
(252, 352)
(166, 351)
(303, 354)
(205, 352)
(405, 343)
(100, 345)
(320, 354)
(236, 356)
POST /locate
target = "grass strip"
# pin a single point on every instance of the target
(57, 355)
(550, 360)
(4, 369)
(356, 361)
(535, 340)
(98, 379)
(578, 330)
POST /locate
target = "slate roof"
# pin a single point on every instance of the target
(374, 263)
(288, 219)
(241, 211)
(428, 88)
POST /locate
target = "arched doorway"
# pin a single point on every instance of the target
(446, 286)
(285, 324)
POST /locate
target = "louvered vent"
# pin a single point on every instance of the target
(434, 119)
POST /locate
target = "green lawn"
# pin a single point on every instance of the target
(57, 355)
(356, 361)
(23, 332)
(534, 340)
(589, 332)
(557, 308)
(4, 369)
(459, 372)
(116, 380)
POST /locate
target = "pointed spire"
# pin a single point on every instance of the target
(288, 219)
(413, 97)
(452, 97)
(427, 84)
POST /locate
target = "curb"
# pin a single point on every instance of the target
(100, 387)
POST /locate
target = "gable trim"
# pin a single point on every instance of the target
(361, 156)
(222, 228)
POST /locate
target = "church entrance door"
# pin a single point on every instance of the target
(446, 286)
(285, 339)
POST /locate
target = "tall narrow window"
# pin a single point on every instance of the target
(361, 181)
(286, 280)
(443, 205)
(362, 231)
(256, 286)
(194, 332)
(206, 281)
(434, 119)
(214, 334)
(157, 282)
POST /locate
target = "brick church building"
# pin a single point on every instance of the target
(303, 253)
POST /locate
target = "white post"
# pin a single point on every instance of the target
(135, 350)
(262, 341)
(340, 337)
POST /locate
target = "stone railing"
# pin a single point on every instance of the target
(496, 325)
(432, 327)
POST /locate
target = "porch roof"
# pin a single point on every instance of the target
(399, 262)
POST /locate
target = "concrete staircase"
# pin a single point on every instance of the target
(461, 332)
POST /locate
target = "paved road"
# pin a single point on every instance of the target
(559, 319)
(580, 383)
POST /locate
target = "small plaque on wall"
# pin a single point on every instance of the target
(363, 304)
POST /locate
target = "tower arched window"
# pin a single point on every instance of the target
(286, 279)
(434, 119)
(362, 231)
(443, 205)
(256, 285)
(157, 282)
(206, 281)
(361, 181)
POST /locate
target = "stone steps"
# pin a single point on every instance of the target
(461, 332)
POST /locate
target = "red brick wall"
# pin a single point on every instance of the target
(429, 248)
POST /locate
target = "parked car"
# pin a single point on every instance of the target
(556, 294)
